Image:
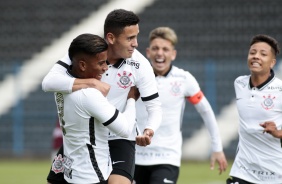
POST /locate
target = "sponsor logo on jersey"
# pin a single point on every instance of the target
(124, 79)
(275, 88)
(133, 63)
(268, 102)
(57, 165)
(175, 88)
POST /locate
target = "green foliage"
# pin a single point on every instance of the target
(35, 171)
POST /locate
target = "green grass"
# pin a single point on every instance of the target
(35, 172)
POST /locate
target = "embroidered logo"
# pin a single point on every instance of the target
(175, 88)
(57, 165)
(124, 80)
(268, 102)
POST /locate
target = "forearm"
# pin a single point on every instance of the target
(154, 110)
(56, 82)
(91, 83)
(207, 114)
(124, 124)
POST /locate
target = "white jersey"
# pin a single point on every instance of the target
(85, 117)
(259, 156)
(174, 88)
(134, 71)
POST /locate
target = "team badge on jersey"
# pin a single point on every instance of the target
(268, 102)
(175, 88)
(57, 165)
(124, 79)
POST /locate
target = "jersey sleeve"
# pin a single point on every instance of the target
(98, 107)
(56, 80)
(207, 114)
(147, 87)
(192, 88)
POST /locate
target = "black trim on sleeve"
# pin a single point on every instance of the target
(63, 64)
(148, 98)
(112, 119)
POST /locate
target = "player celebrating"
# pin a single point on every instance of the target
(85, 114)
(127, 67)
(159, 162)
(259, 102)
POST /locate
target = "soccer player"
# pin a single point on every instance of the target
(86, 114)
(259, 102)
(159, 162)
(127, 67)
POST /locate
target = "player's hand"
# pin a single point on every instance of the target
(270, 127)
(103, 87)
(133, 93)
(219, 157)
(145, 139)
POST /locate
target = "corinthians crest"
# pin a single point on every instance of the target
(268, 102)
(175, 88)
(57, 165)
(124, 79)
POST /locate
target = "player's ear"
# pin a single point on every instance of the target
(273, 62)
(173, 56)
(82, 65)
(110, 38)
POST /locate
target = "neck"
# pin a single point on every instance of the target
(259, 79)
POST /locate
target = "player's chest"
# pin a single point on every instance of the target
(265, 100)
(120, 78)
(170, 89)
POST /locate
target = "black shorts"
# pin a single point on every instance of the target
(238, 180)
(56, 174)
(123, 157)
(155, 174)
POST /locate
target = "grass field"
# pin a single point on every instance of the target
(35, 172)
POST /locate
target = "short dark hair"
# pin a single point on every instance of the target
(118, 19)
(267, 39)
(89, 44)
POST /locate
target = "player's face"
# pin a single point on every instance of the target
(161, 53)
(261, 58)
(123, 45)
(95, 66)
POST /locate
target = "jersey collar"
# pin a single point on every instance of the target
(164, 75)
(118, 64)
(265, 82)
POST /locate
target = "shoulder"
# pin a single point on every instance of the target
(242, 80)
(92, 92)
(66, 59)
(179, 72)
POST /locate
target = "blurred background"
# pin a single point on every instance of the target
(213, 43)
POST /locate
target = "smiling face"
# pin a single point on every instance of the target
(161, 53)
(94, 66)
(122, 45)
(261, 58)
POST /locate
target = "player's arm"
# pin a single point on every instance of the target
(150, 97)
(204, 109)
(153, 107)
(119, 123)
(57, 80)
